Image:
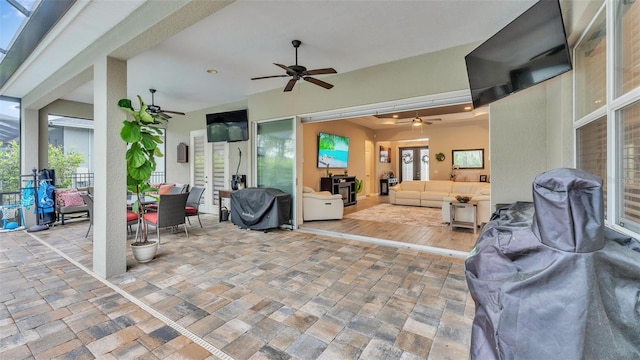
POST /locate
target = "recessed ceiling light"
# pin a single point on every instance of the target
(212, 71)
(395, 116)
(467, 108)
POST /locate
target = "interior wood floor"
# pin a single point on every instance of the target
(459, 239)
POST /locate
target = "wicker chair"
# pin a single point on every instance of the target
(193, 203)
(171, 213)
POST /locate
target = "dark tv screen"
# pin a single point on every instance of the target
(228, 126)
(529, 50)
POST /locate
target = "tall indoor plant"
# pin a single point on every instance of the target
(142, 136)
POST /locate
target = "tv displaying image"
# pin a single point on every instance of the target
(333, 151)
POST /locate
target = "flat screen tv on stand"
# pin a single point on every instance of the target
(333, 151)
(529, 50)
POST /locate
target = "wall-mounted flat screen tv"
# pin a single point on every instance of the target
(333, 151)
(228, 126)
(529, 50)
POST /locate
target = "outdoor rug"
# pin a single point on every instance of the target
(400, 214)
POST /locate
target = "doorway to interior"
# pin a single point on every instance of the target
(414, 163)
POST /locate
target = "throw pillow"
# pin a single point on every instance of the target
(164, 189)
(72, 198)
(59, 192)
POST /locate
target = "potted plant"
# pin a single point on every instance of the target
(142, 136)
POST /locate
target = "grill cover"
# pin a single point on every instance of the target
(260, 208)
(551, 282)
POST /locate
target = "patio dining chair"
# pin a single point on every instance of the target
(88, 200)
(171, 213)
(132, 218)
(193, 203)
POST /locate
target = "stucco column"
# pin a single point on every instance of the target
(29, 140)
(109, 220)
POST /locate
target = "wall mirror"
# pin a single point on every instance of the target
(468, 159)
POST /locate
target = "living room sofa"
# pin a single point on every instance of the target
(440, 193)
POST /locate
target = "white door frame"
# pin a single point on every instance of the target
(208, 197)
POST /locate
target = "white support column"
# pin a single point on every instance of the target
(29, 140)
(109, 220)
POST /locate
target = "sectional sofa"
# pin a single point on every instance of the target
(440, 193)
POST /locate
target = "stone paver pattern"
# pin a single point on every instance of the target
(252, 294)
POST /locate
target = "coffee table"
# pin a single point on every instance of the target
(470, 206)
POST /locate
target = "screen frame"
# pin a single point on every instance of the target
(228, 119)
(486, 88)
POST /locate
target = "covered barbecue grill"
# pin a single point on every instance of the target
(551, 282)
(260, 208)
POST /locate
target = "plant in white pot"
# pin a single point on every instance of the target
(142, 136)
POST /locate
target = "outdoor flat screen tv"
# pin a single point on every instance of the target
(228, 126)
(529, 50)
(333, 151)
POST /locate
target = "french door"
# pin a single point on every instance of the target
(207, 168)
(414, 163)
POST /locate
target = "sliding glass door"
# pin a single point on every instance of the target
(276, 149)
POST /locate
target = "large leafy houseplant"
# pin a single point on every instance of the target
(142, 136)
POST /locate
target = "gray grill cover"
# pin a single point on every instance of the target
(551, 282)
(260, 208)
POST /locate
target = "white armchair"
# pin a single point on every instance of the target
(321, 205)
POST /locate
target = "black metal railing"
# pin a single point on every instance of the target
(9, 198)
(78, 180)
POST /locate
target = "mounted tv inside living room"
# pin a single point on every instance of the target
(529, 50)
(333, 151)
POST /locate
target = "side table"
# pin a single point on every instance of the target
(385, 184)
(471, 206)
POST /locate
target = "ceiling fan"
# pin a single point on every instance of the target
(417, 121)
(154, 109)
(298, 72)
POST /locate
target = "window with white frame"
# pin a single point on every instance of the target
(607, 112)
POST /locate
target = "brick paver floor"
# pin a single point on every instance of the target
(248, 294)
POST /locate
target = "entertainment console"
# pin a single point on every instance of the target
(343, 185)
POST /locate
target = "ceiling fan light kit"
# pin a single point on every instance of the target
(297, 72)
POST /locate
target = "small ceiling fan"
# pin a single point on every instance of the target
(154, 109)
(298, 72)
(417, 121)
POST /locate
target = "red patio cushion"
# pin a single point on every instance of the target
(131, 216)
(152, 217)
(190, 210)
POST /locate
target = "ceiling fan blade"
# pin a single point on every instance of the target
(173, 112)
(285, 68)
(325, 85)
(164, 116)
(321, 71)
(268, 77)
(290, 84)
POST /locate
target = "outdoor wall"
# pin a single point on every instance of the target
(179, 129)
(357, 136)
